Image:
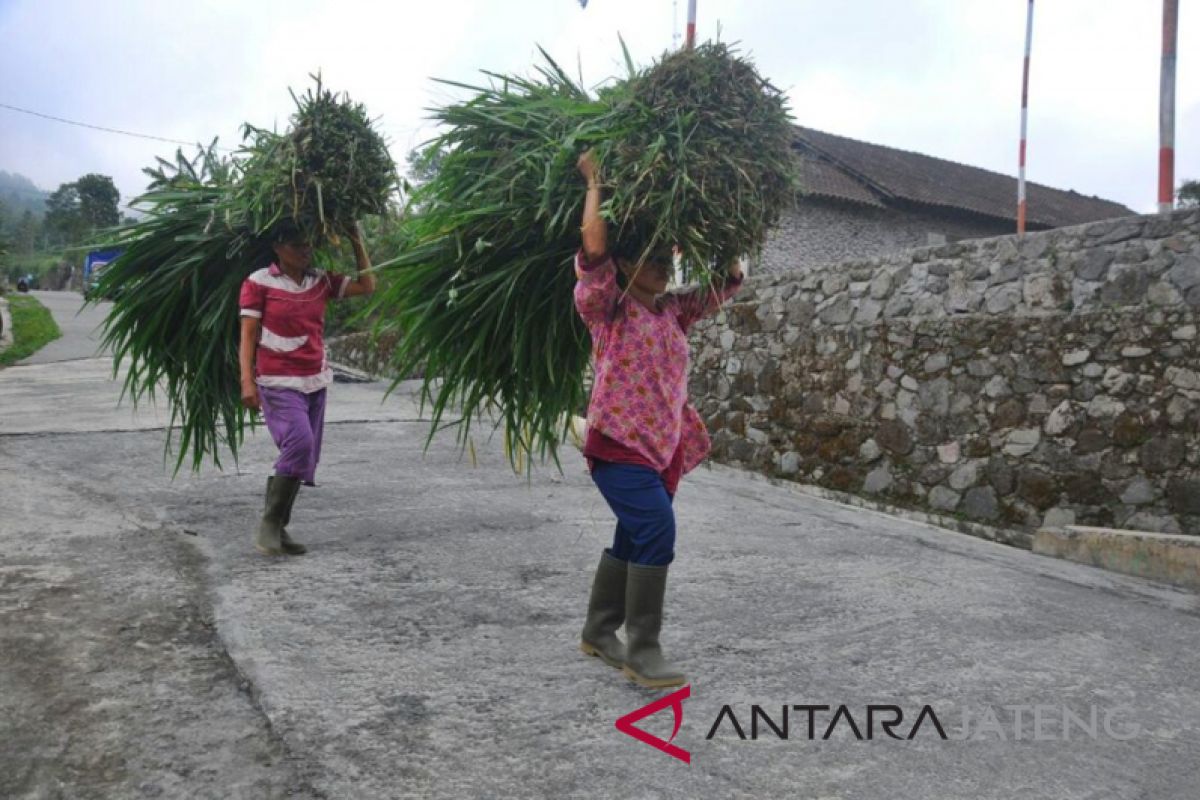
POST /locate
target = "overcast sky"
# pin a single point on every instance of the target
(936, 76)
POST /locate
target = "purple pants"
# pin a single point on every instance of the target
(295, 420)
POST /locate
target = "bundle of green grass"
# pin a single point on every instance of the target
(695, 153)
(208, 223)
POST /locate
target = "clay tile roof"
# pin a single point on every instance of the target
(886, 173)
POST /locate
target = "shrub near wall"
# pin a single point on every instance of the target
(1053, 379)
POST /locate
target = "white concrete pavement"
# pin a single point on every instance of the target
(426, 647)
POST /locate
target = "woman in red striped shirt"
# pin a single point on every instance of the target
(284, 372)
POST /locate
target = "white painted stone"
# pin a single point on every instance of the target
(943, 499)
(948, 453)
(1102, 406)
(937, 362)
(1075, 357)
(1184, 378)
(997, 387)
(965, 476)
(869, 451)
(1058, 518)
(1022, 441)
(1139, 492)
(878, 480)
(1060, 419)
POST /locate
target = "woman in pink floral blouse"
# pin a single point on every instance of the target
(642, 435)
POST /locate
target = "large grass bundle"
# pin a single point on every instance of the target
(695, 152)
(330, 169)
(174, 322)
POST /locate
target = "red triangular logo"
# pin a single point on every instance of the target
(675, 701)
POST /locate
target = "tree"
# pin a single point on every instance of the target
(424, 163)
(1189, 194)
(76, 210)
(98, 198)
(25, 236)
(62, 213)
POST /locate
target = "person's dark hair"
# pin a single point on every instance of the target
(285, 230)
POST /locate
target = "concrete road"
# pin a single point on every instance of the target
(80, 326)
(426, 647)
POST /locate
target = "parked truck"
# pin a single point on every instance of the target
(93, 267)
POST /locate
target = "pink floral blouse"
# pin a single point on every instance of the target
(639, 395)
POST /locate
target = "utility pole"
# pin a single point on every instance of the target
(1024, 123)
(691, 24)
(1166, 109)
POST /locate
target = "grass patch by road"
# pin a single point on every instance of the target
(32, 327)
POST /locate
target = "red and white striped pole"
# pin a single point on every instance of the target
(691, 25)
(1166, 109)
(1024, 123)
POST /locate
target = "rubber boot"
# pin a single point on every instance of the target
(606, 612)
(290, 546)
(644, 663)
(269, 539)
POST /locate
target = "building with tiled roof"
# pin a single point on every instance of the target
(860, 200)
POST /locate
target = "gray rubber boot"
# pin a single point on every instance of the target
(290, 546)
(269, 540)
(606, 612)
(644, 663)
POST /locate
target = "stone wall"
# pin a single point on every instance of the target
(363, 353)
(820, 232)
(1016, 383)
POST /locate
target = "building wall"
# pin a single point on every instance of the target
(1049, 380)
(820, 232)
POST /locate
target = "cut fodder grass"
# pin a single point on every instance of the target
(695, 153)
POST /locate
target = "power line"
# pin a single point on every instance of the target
(102, 128)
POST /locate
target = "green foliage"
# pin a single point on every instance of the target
(174, 324)
(174, 320)
(80, 209)
(33, 328)
(62, 214)
(1189, 194)
(25, 233)
(695, 152)
(36, 264)
(98, 199)
(331, 169)
(423, 163)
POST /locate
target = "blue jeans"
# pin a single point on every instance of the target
(645, 517)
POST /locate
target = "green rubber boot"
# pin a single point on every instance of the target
(280, 491)
(644, 663)
(606, 612)
(290, 546)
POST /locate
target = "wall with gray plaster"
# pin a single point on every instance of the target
(819, 232)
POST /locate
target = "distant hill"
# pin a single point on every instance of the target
(18, 193)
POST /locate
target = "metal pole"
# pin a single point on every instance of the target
(1166, 109)
(691, 25)
(1024, 123)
